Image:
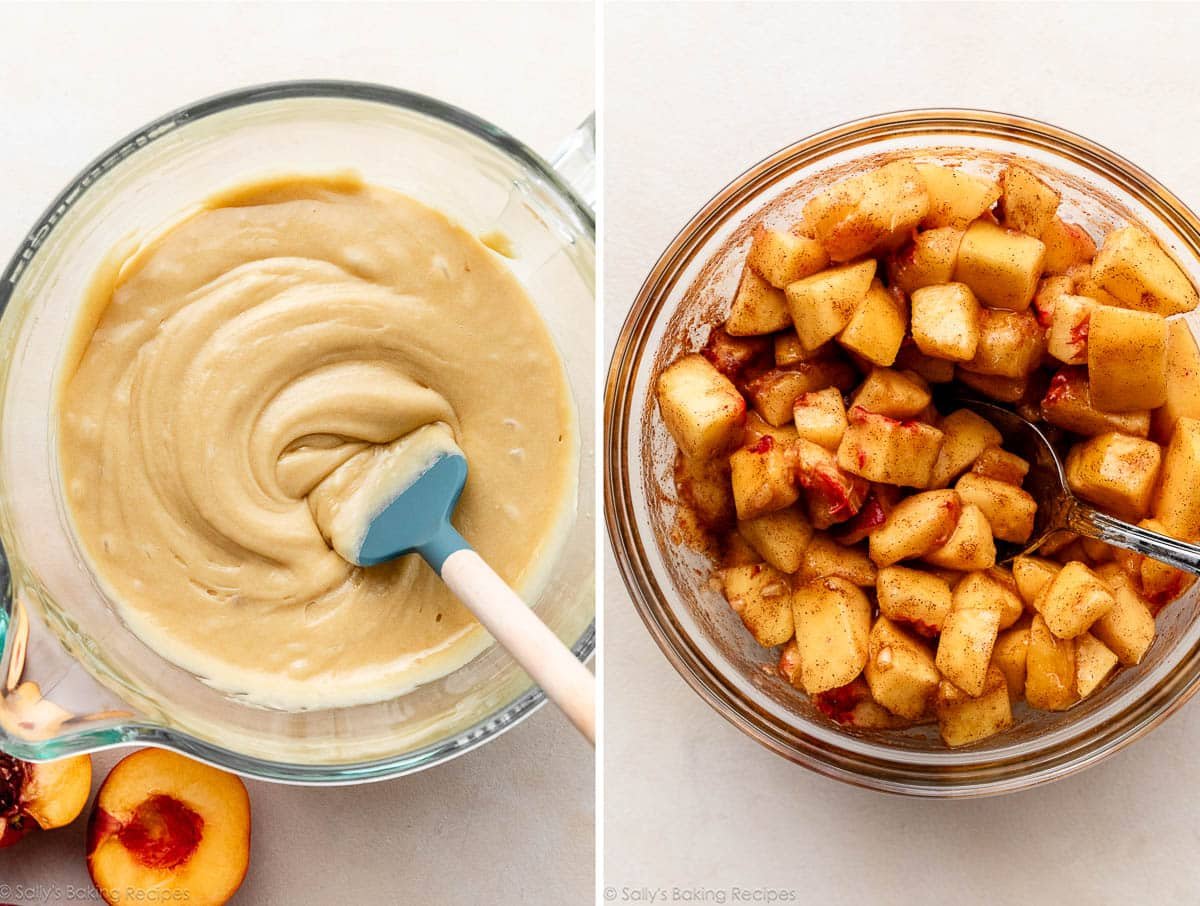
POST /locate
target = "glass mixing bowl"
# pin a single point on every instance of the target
(686, 291)
(72, 677)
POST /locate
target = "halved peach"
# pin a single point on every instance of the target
(41, 795)
(163, 823)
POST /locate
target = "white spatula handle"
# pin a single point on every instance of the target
(566, 682)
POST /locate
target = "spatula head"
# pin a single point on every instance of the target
(415, 517)
(393, 499)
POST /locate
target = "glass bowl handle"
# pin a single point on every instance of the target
(575, 161)
(50, 706)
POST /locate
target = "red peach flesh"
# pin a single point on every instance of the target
(162, 833)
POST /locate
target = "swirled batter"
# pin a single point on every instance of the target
(241, 356)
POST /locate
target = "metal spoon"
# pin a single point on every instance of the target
(1059, 510)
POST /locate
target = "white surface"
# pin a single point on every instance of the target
(690, 802)
(506, 824)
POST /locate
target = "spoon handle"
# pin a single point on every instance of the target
(566, 682)
(1091, 522)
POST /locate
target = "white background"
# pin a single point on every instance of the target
(506, 824)
(694, 95)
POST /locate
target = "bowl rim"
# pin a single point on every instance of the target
(147, 733)
(625, 540)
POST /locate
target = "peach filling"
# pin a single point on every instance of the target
(857, 515)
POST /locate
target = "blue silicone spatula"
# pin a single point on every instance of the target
(400, 502)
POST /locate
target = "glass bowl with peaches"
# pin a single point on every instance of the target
(823, 533)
